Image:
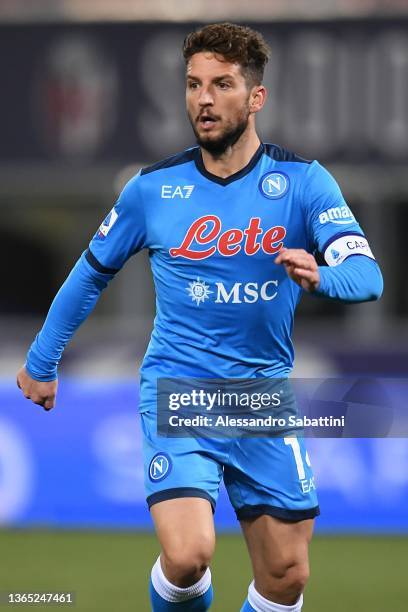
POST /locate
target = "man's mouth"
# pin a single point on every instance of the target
(207, 121)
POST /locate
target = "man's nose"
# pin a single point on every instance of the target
(206, 97)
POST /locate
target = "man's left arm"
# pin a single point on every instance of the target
(357, 279)
(352, 274)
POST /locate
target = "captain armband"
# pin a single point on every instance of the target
(345, 246)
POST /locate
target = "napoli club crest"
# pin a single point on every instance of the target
(274, 185)
(159, 467)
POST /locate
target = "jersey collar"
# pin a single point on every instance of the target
(233, 177)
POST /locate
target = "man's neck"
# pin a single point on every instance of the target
(234, 159)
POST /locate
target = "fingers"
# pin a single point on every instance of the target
(302, 264)
(287, 254)
(301, 267)
(308, 279)
(305, 273)
(21, 378)
(47, 402)
(290, 254)
(40, 393)
(297, 258)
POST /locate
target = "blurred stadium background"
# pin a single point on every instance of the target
(91, 91)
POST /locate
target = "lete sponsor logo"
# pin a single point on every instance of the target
(207, 232)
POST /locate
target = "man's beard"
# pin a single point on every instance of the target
(227, 138)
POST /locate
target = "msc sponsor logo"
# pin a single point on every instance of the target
(207, 232)
(199, 291)
(248, 292)
(237, 293)
(340, 215)
(159, 467)
(169, 192)
(274, 185)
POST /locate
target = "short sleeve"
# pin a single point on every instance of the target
(332, 228)
(122, 233)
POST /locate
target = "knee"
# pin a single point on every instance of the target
(184, 566)
(285, 584)
(296, 579)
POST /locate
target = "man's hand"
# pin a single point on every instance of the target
(301, 267)
(41, 393)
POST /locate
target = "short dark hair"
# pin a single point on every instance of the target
(236, 43)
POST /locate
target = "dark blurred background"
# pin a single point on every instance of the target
(90, 91)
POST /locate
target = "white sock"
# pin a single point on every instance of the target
(173, 593)
(261, 604)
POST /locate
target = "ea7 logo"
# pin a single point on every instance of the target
(169, 191)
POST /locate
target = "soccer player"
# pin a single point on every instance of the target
(232, 226)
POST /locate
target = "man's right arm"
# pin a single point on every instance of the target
(71, 306)
(122, 234)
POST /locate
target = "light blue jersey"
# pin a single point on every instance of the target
(224, 309)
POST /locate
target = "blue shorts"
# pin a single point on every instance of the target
(262, 475)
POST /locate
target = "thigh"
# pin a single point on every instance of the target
(185, 529)
(184, 524)
(276, 545)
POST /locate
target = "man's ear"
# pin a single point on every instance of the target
(257, 98)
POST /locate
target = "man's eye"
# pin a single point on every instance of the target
(193, 85)
(223, 85)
